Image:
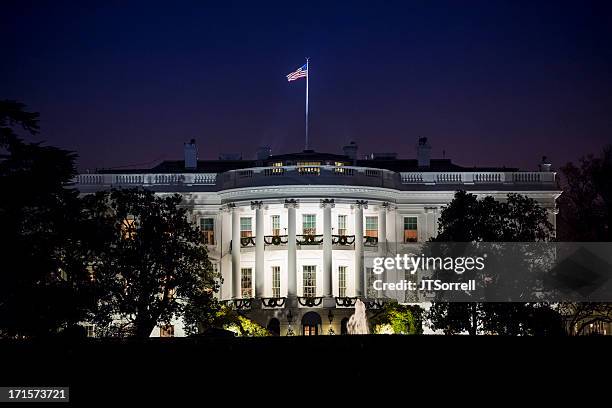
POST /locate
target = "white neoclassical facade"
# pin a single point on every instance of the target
(288, 233)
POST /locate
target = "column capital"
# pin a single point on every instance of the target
(361, 204)
(256, 205)
(388, 206)
(430, 209)
(291, 203)
(327, 202)
(229, 207)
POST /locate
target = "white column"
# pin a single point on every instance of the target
(327, 247)
(291, 205)
(259, 249)
(359, 271)
(235, 253)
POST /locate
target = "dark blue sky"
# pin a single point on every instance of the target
(492, 83)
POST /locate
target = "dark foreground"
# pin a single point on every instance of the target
(179, 369)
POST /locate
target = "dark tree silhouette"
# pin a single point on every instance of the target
(38, 295)
(585, 214)
(146, 259)
(469, 219)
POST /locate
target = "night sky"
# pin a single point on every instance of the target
(491, 83)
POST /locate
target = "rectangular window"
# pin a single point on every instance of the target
(309, 276)
(207, 225)
(166, 331)
(309, 224)
(91, 330)
(246, 229)
(411, 232)
(342, 281)
(308, 167)
(246, 282)
(371, 277)
(276, 281)
(342, 225)
(371, 227)
(276, 225)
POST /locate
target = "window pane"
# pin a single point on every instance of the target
(276, 225)
(309, 224)
(309, 277)
(410, 229)
(245, 227)
(276, 281)
(342, 281)
(342, 225)
(371, 227)
(371, 293)
(207, 225)
(246, 282)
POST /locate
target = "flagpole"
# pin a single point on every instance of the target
(307, 76)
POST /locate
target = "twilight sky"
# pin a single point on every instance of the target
(491, 83)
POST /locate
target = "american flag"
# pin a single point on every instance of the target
(301, 72)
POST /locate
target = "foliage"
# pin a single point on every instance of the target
(402, 319)
(469, 219)
(39, 293)
(146, 259)
(585, 207)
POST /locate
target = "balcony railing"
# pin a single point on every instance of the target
(370, 241)
(478, 177)
(146, 179)
(247, 242)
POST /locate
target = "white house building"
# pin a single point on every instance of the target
(288, 233)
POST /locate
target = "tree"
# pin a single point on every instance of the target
(585, 215)
(469, 219)
(38, 295)
(585, 207)
(147, 260)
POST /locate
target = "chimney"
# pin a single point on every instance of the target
(423, 152)
(191, 155)
(263, 153)
(351, 151)
(545, 165)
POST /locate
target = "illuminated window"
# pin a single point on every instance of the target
(91, 330)
(371, 227)
(246, 282)
(166, 331)
(338, 168)
(411, 232)
(342, 225)
(128, 227)
(342, 281)
(207, 225)
(309, 224)
(309, 279)
(276, 225)
(246, 229)
(276, 281)
(371, 277)
(277, 164)
(308, 167)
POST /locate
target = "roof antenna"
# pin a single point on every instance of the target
(444, 154)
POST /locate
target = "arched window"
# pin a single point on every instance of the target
(274, 326)
(311, 322)
(344, 326)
